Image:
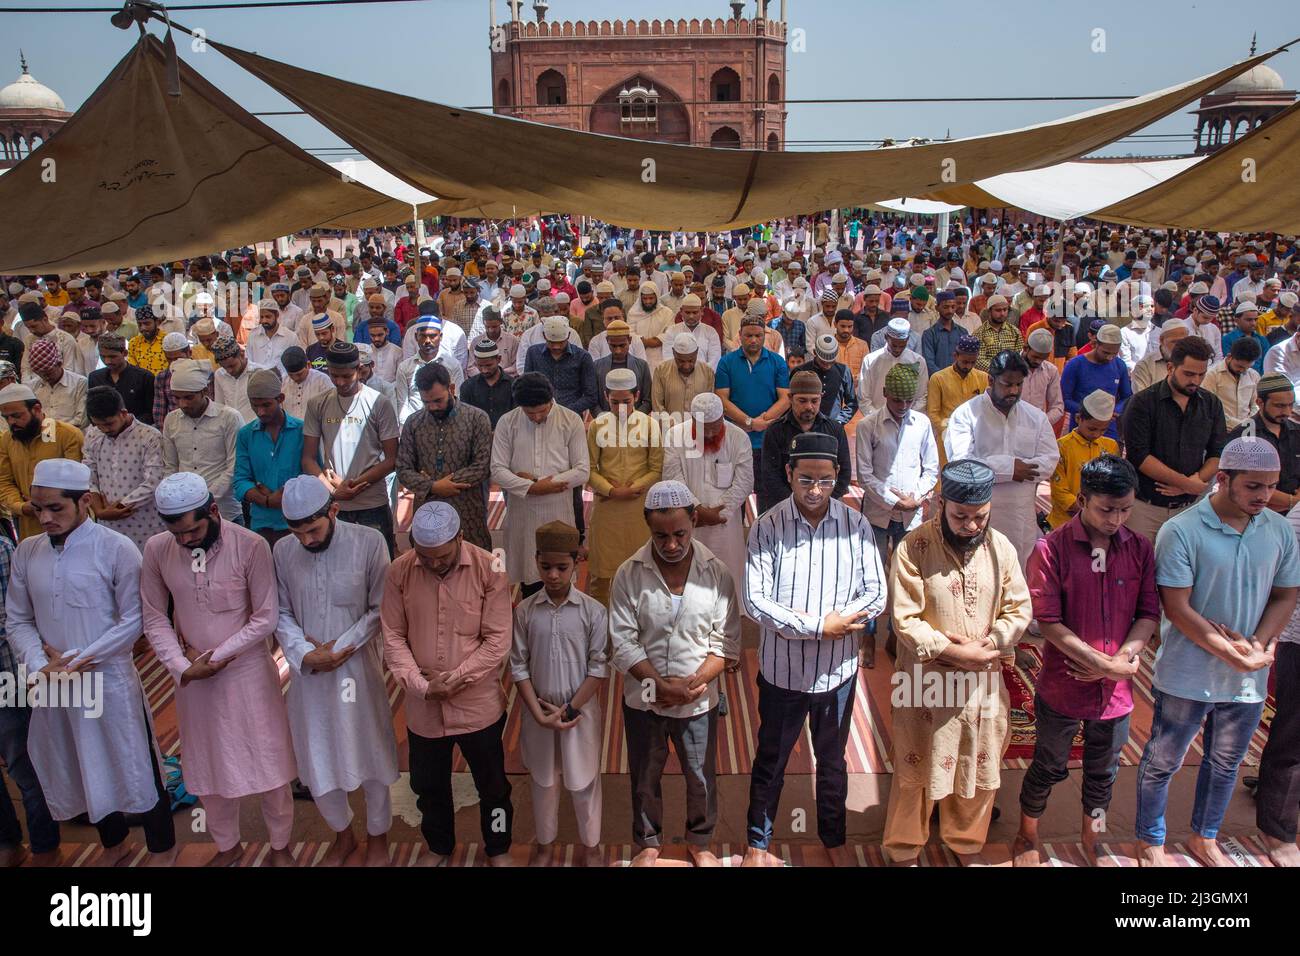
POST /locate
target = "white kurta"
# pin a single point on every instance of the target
(340, 720)
(724, 477)
(651, 325)
(710, 345)
(871, 378)
(85, 597)
(557, 448)
(978, 430)
(127, 469)
(557, 649)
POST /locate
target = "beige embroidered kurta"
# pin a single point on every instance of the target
(952, 749)
(629, 454)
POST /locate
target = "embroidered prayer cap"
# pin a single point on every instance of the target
(826, 347)
(16, 393)
(805, 383)
(1040, 340)
(740, 289)
(302, 497)
(109, 308)
(517, 291)
(555, 328)
(486, 348)
(1172, 325)
(61, 473)
(669, 494)
(1274, 382)
(189, 375)
(111, 342)
(967, 482)
(1109, 334)
(201, 327)
(606, 287)
(901, 382)
(225, 347)
(1249, 454)
(617, 327)
(620, 380)
(434, 524)
(263, 383)
(920, 294)
(814, 445)
(996, 300)
(1099, 404)
(180, 492)
(269, 305)
(293, 359)
(685, 343)
(557, 537)
(830, 295)
(707, 407)
(7, 370)
(1208, 304)
(365, 354)
(43, 355)
(691, 300)
(1247, 305)
(947, 295)
(322, 321)
(426, 323)
(898, 328)
(342, 354)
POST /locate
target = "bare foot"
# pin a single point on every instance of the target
(756, 857)
(1025, 851)
(344, 843)
(841, 856)
(646, 857)
(971, 859)
(587, 856)
(702, 856)
(431, 859)
(501, 859)
(867, 651)
(377, 850)
(1280, 852)
(1151, 855)
(120, 855)
(1207, 852)
(227, 857)
(48, 858)
(279, 858)
(13, 856)
(165, 858)
(542, 854)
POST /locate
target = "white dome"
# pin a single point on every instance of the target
(1258, 79)
(26, 94)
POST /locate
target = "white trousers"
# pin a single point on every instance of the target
(336, 810)
(586, 807)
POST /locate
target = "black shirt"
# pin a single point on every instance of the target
(1288, 449)
(1183, 440)
(135, 386)
(1275, 335)
(496, 399)
(770, 482)
(11, 350)
(839, 397)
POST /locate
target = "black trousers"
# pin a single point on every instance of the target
(579, 516)
(1054, 732)
(1277, 801)
(159, 829)
(781, 716)
(527, 590)
(430, 761)
(381, 519)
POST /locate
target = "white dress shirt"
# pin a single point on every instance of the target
(65, 400)
(598, 347)
(232, 391)
(895, 455)
(710, 344)
(264, 350)
(298, 394)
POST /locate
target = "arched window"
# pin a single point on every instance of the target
(551, 89)
(1241, 129)
(773, 142)
(639, 105)
(773, 89)
(503, 93)
(724, 86)
(725, 137)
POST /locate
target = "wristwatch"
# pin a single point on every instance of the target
(749, 422)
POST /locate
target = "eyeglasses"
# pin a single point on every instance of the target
(806, 483)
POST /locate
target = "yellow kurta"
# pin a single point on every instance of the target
(955, 749)
(947, 391)
(633, 457)
(669, 392)
(1076, 451)
(18, 465)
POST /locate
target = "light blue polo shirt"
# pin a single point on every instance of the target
(753, 387)
(1230, 575)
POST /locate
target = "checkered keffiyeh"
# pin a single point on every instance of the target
(43, 355)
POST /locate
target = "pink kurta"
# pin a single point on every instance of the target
(234, 727)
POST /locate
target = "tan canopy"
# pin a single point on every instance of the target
(139, 176)
(1252, 185)
(472, 160)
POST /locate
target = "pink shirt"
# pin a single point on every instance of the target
(459, 623)
(234, 726)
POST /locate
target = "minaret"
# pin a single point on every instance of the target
(541, 6)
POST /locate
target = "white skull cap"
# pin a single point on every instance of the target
(669, 494)
(434, 524)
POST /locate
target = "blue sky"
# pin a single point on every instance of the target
(438, 50)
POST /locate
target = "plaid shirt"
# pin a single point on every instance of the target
(7, 663)
(993, 341)
(163, 400)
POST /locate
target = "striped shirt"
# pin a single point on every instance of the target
(795, 575)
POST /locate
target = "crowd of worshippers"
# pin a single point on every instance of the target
(225, 483)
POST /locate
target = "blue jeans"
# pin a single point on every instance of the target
(1228, 729)
(41, 828)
